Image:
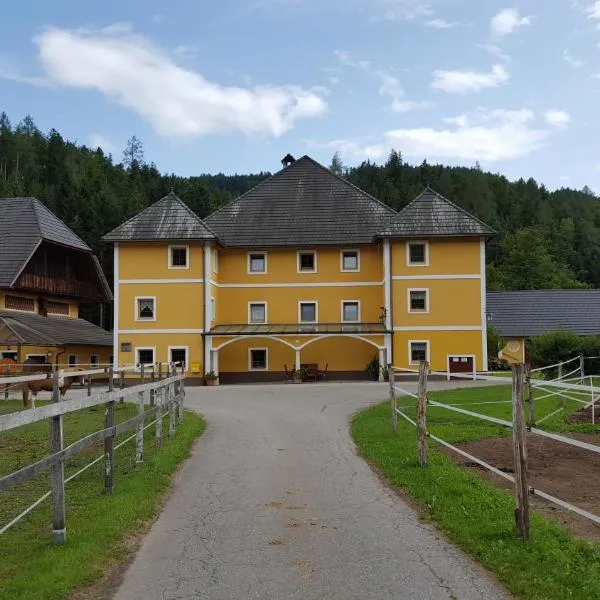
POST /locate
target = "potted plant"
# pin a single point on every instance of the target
(298, 375)
(211, 378)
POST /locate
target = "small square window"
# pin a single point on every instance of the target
(350, 312)
(257, 263)
(145, 309)
(258, 312)
(417, 253)
(418, 300)
(418, 351)
(258, 359)
(94, 361)
(308, 312)
(307, 262)
(145, 356)
(350, 260)
(179, 357)
(179, 257)
(72, 360)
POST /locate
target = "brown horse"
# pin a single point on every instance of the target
(66, 380)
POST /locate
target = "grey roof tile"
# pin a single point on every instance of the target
(24, 224)
(304, 204)
(168, 219)
(432, 215)
(36, 329)
(534, 312)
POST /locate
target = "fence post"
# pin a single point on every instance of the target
(122, 385)
(529, 395)
(593, 400)
(392, 377)
(89, 385)
(520, 454)
(6, 391)
(152, 391)
(181, 395)
(139, 434)
(171, 396)
(57, 472)
(109, 442)
(159, 398)
(581, 368)
(142, 372)
(160, 370)
(422, 414)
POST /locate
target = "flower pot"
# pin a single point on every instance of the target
(211, 381)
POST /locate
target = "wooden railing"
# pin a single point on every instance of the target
(165, 398)
(57, 286)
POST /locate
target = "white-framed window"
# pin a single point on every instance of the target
(72, 360)
(257, 262)
(417, 254)
(257, 312)
(179, 355)
(145, 308)
(179, 257)
(12, 354)
(350, 311)
(145, 355)
(307, 261)
(308, 312)
(418, 350)
(350, 261)
(418, 300)
(213, 309)
(94, 362)
(215, 260)
(258, 359)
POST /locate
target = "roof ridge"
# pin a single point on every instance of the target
(190, 211)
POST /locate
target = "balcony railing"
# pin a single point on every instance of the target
(57, 287)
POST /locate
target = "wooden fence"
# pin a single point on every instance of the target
(165, 397)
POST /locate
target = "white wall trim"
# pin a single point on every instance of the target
(116, 306)
(170, 264)
(153, 281)
(151, 331)
(136, 313)
(250, 359)
(484, 350)
(237, 338)
(455, 276)
(348, 284)
(387, 297)
(206, 272)
(348, 250)
(351, 335)
(264, 303)
(440, 328)
(410, 243)
(427, 351)
(408, 305)
(300, 271)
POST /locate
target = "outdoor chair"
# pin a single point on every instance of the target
(323, 374)
(287, 375)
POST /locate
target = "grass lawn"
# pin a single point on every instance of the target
(98, 526)
(474, 513)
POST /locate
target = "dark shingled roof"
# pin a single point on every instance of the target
(24, 224)
(432, 215)
(304, 204)
(33, 329)
(168, 219)
(534, 312)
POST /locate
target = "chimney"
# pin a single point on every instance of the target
(287, 160)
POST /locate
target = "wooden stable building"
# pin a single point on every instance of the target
(46, 271)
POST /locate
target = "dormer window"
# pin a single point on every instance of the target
(178, 257)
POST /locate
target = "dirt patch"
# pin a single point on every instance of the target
(566, 472)
(585, 414)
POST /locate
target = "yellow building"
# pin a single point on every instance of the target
(45, 272)
(303, 270)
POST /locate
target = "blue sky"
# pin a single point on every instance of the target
(231, 86)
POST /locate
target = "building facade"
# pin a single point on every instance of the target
(46, 271)
(304, 269)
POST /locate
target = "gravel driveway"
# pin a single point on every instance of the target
(275, 504)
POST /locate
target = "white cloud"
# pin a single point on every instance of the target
(506, 21)
(574, 62)
(391, 86)
(495, 51)
(593, 12)
(97, 140)
(344, 58)
(404, 10)
(464, 82)
(557, 118)
(441, 24)
(130, 70)
(484, 135)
